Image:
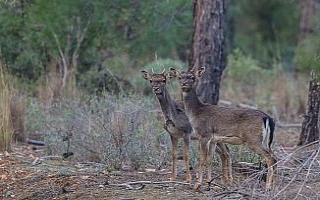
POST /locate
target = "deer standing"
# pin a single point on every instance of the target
(178, 126)
(212, 123)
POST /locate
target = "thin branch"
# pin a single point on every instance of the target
(129, 186)
(64, 61)
(226, 193)
(39, 160)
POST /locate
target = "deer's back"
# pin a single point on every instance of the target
(230, 122)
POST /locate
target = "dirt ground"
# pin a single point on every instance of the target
(24, 176)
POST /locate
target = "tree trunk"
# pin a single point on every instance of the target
(208, 46)
(307, 23)
(307, 19)
(310, 129)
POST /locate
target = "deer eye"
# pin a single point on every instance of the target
(150, 81)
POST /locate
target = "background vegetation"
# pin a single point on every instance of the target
(77, 65)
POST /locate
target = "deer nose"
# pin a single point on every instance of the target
(184, 83)
(156, 89)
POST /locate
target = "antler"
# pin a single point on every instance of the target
(163, 71)
(193, 69)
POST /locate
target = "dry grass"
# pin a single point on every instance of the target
(5, 124)
(17, 116)
(49, 86)
(126, 133)
(281, 95)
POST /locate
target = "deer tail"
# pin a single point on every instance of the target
(268, 132)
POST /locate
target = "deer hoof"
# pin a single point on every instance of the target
(268, 188)
(197, 187)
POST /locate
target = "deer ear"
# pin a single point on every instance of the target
(200, 72)
(145, 75)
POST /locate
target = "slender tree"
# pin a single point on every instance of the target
(310, 127)
(209, 46)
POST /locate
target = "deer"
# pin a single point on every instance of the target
(176, 123)
(213, 123)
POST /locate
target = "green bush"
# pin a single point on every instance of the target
(243, 68)
(308, 54)
(245, 79)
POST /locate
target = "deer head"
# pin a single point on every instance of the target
(187, 79)
(157, 81)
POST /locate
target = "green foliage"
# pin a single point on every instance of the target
(246, 79)
(265, 29)
(243, 69)
(98, 80)
(123, 34)
(308, 54)
(32, 33)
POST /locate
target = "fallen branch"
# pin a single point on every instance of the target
(281, 125)
(38, 160)
(129, 186)
(221, 195)
(35, 142)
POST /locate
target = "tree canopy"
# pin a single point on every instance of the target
(125, 35)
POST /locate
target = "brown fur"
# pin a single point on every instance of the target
(178, 126)
(212, 123)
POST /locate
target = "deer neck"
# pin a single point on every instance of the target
(191, 101)
(166, 104)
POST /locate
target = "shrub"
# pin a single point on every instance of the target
(116, 131)
(308, 54)
(99, 79)
(243, 68)
(244, 76)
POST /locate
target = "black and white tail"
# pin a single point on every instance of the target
(268, 132)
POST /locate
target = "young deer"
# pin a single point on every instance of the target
(178, 126)
(212, 123)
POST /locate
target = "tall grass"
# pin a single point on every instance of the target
(5, 126)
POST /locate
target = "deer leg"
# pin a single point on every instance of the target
(226, 164)
(272, 170)
(203, 147)
(174, 143)
(240, 150)
(210, 148)
(271, 163)
(186, 158)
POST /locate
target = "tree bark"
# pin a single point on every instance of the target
(209, 47)
(310, 127)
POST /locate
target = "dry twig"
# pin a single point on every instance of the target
(129, 186)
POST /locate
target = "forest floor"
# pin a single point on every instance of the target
(26, 174)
